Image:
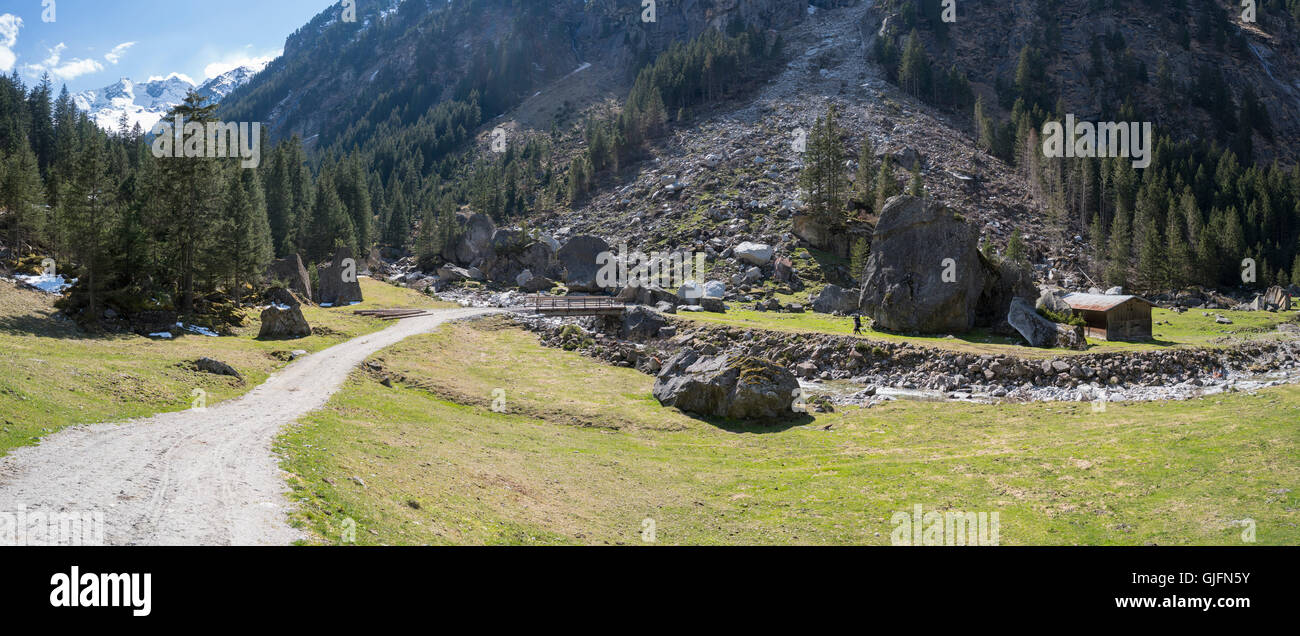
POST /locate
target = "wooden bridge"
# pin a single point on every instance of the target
(576, 305)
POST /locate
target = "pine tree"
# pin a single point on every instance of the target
(190, 195)
(21, 192)
(823, 177)
(1178, 250)
(914, 69)
(1151, 255)
(916, 187)
(87, 209)
(1016, 251)
(331, 227)
(1120, 253)
(247, 233)
(860, 255)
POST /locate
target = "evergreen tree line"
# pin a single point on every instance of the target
(141, 233)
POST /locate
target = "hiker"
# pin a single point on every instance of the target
(857, 325)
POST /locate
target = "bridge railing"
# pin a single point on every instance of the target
(573, 303)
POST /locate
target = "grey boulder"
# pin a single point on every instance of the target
(727, 386)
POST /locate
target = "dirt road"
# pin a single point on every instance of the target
(195, 477)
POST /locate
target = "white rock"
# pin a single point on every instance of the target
(754, 253)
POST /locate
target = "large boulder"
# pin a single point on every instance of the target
(1275, 299)
(338, 280)
(537, 284)
(539, 258)
(452, 273)
(727, 386)
(283, 321)
(910, 283)
(715, 289)
(640, 323)
(290, 272)
(690, 293)
(1041, 332)
(646, 295)
(1037, 330)
(836, 299)
(759, 254)
(476, 232)
(578, 257)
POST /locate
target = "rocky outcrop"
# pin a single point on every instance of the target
(290, 273)
(338, 280)
(578, 257)
(283, 321)
(727, 386)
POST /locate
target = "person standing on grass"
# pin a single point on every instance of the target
(857, 325)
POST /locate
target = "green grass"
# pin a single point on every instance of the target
(52, 376)
(584, 455)
(1189, 329)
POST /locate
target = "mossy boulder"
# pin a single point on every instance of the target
(741, 388)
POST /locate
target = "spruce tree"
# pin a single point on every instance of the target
(1120, 253)
(21, 192)
(190, 191)
(823, 178)
(247, 233)
(87, 210)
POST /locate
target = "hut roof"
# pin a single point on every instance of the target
(1099, 302)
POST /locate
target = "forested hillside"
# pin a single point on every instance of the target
(1222, 185)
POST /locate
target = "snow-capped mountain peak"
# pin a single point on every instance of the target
(145, 103)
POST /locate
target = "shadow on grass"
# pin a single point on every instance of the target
(757, 428)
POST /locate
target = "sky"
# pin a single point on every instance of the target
(91, 44)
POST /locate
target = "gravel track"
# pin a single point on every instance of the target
(195, 477)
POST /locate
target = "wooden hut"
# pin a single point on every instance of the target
(1116, 317)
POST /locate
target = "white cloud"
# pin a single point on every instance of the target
(9, 25)
(67, 71)
(158, 78)
(232, 62)
(116, 54)
(76, 68)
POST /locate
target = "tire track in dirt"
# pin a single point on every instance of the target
(195, 477)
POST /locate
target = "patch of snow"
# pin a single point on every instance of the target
(46, 283)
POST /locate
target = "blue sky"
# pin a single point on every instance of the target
(93, 43)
